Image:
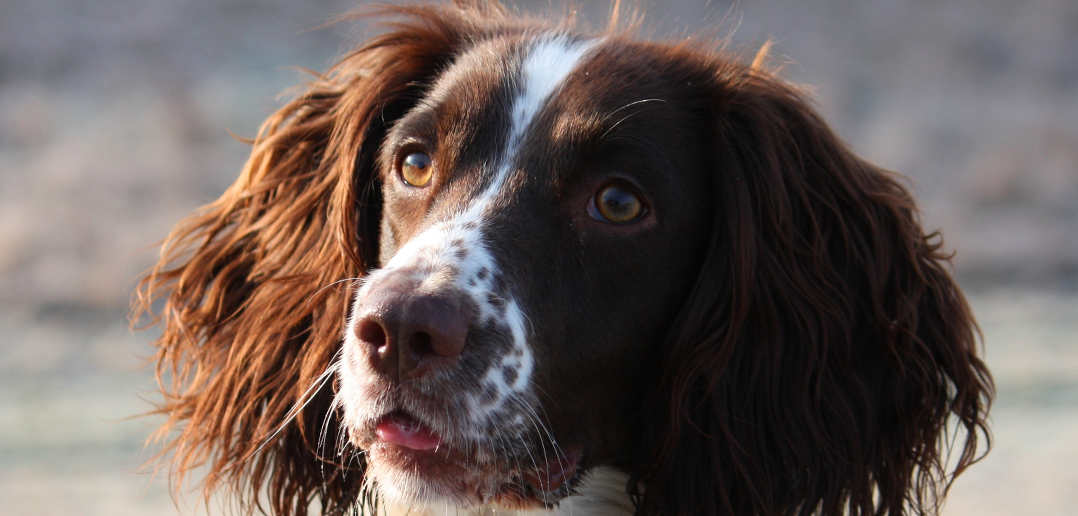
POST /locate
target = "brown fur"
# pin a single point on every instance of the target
(814, 367)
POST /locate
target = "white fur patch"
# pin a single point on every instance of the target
(601, 493)
(548, 64)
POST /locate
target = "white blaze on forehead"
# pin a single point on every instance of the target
(454, 253)
(549, 62)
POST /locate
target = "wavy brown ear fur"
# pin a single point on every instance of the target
(248, 290)
(826, 351)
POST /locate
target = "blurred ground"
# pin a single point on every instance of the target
(113, 124)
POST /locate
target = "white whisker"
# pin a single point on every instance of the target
(301, 403)
(626, 117)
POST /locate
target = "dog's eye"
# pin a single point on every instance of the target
(616, 204)
(416, 169)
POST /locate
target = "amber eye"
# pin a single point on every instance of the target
(416, 169)
(616, 204)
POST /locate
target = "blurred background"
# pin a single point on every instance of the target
(115, 118)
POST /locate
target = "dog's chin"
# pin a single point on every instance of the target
(412, 466)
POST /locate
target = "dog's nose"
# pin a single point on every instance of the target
(407, 334)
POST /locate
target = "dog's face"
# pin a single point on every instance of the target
(575, 253)
(545, 209)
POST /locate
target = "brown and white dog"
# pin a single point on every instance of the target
(491, 263)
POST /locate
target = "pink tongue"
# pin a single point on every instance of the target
(407, 432)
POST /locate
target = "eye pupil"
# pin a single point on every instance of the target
(416, 169)
(618, 205)
(617, 201)
(417, 160)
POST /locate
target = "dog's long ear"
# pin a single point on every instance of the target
(248, 291)
(826, 361)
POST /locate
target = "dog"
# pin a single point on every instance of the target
(492, 263)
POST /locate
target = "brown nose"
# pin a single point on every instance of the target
(406, 334)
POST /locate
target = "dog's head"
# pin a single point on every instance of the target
(568, 251)
(545, 207)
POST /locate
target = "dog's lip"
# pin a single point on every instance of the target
(402, 429)
(556, 472)
(403, 441)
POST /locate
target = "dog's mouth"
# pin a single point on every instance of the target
(401, 429)
(400, 442)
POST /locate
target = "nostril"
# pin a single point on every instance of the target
(421, 344)
(404, 335)
(371, 333)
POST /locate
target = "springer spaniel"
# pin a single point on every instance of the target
(489, 263)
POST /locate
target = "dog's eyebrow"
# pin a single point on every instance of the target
(416, 119)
